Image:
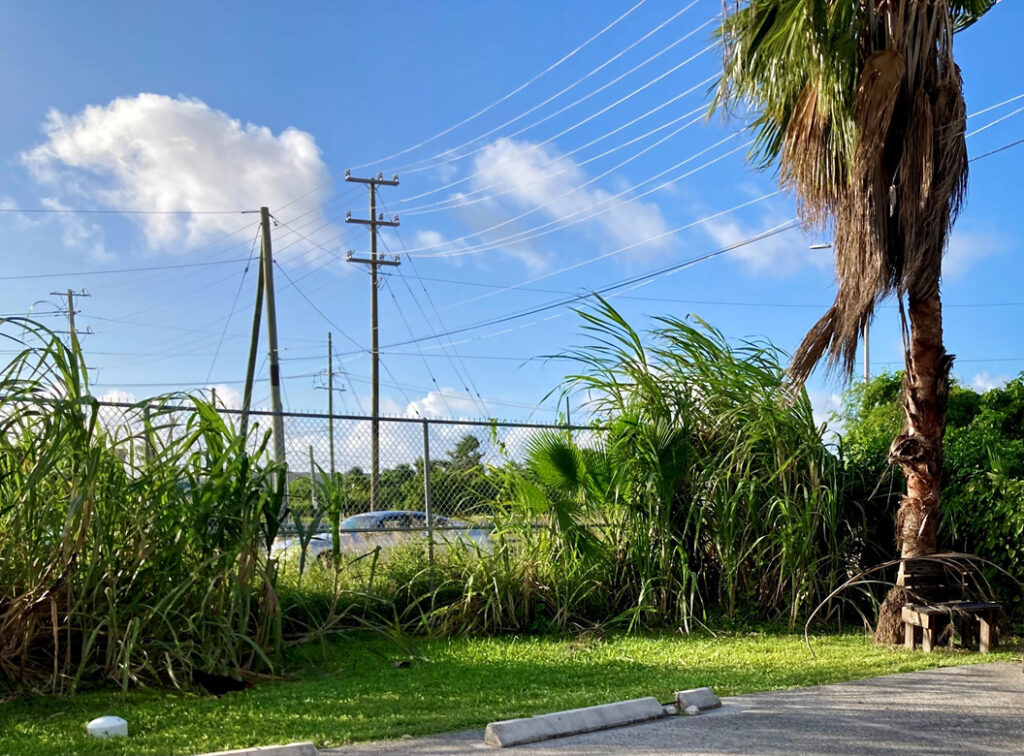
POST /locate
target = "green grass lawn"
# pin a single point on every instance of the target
(352, 691)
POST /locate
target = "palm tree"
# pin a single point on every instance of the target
(859, 105)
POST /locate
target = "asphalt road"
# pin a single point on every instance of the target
(975, 709)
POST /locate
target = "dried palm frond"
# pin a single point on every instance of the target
(859, 105)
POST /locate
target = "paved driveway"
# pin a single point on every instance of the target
(975, 709)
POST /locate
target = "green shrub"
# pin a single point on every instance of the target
(131, 550)
(983, 478)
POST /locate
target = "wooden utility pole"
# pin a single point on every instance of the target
(330, 398)
(267, 266)
(374, 221)
(330, 402)
(254, 345)
(71, 294)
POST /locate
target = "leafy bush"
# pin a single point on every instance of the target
(132, 551)
(983, 479)
(714, 490)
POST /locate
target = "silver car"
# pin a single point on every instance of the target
(362, 532)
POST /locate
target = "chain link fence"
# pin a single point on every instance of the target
(434, 475)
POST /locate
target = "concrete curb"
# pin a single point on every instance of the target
(702, 698)
(292, 749)
(572, 722)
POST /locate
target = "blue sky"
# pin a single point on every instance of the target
(575, 181)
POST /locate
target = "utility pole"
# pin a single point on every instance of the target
(867, 361)
(330, 401)
(254, 345)
(71, 294)
(374, 221)
(267, 266)
(330, 397)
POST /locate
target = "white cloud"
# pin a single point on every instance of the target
(430, 239)
(228, 397)
(983, 382)
(528, 177)
(824, 405)
(780, 255)
(155, 152)
(20, 220)
(965, 249)
(489, 214)
(120, 396)
(447, 402)
(79, 232)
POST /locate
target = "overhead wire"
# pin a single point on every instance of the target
(592, 116)
(118, 271)
(579, 216)
(466, 381)
(234, 305)
(440, 159)
(505, 97)
(608, 288)
(462, 199)
(113, 210)
(330, 322)
(408, 328)
(989, 125)
(450, 242)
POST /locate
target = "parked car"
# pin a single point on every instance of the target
(363, 532)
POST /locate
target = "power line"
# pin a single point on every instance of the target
(529, 234)
(504, 98)
(993, 107)
(579, 216)
(117, 211)
(787, 226)
(473, 197)
(116, 271)
(468, 381)
(592, 116)
(425, 165)
(998, 149)
(318, 311)
(234, 305)
(605, 255)
(334, 325)
(408, 328)
(989, 125)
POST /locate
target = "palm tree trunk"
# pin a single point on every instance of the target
(918, 450)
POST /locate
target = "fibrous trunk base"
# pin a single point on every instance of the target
(889, 630)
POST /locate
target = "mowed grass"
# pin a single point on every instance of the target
(352, 691)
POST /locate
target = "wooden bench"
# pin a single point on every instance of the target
(936, 596)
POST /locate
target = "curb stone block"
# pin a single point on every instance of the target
(572, 722)
(702, 698)
(292, 749)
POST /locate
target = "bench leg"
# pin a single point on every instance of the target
(927, 639)
(967, 631)
(908, 636)
(987, 634)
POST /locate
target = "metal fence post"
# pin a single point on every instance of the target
(426, 500)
